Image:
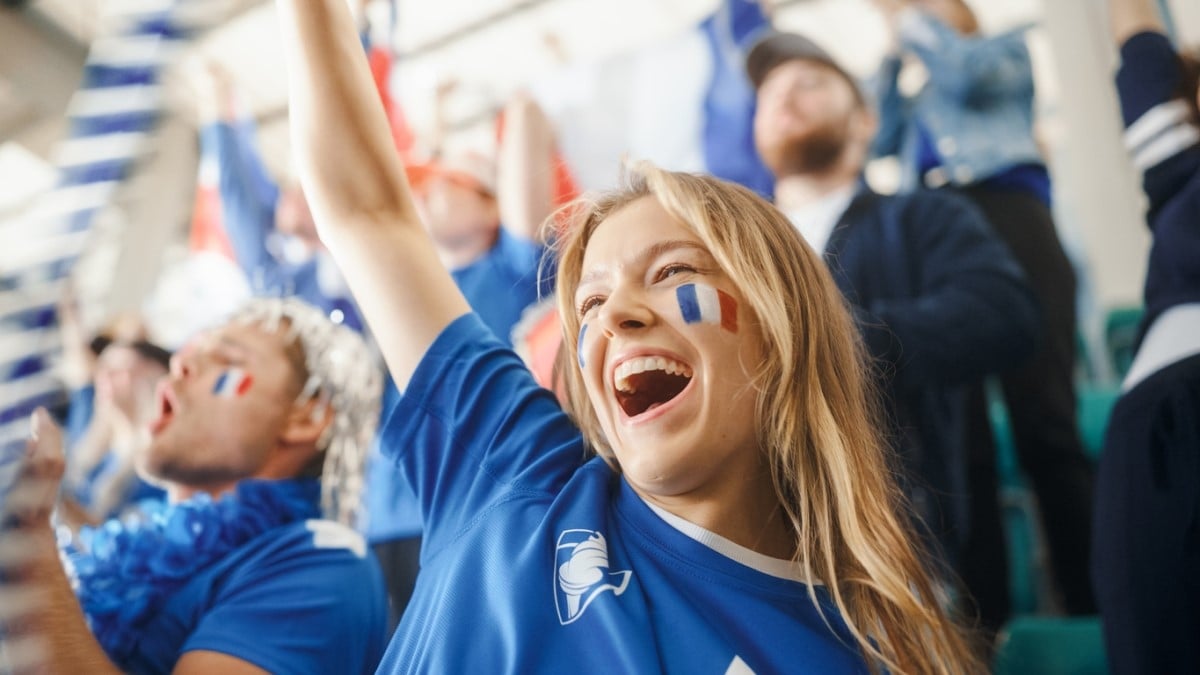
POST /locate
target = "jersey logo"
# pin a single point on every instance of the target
(581, 559)
(738, 667)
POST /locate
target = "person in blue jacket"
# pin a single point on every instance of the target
(1146, 548)
(970, 130)
(252, 566)
(740, 516)
(938, 297)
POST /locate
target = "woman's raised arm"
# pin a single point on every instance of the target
(356, 186)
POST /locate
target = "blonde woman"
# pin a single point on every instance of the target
(740, 517)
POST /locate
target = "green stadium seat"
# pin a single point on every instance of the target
(1095, 405)
(1051, 646)
(1007, 468)
(1120, 332)
(1029, 575)
(1026, 568)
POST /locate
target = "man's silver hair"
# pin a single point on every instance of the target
(343, 374)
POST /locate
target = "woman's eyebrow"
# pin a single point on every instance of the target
(645, 255)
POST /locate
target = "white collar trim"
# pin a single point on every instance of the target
(775, 567)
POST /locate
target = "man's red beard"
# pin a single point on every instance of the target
(815, 152)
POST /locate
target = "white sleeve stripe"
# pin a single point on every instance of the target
(1166, 146)
(329, 534)
(1154, 122)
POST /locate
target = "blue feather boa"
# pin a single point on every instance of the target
(126, 570)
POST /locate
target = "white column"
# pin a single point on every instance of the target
(1185, 16)
(1097, 191)
(161, 195)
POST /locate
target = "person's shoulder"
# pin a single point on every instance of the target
(923, 205)
(304, 544)
(925, 197)
(517, 251)
(313, 556)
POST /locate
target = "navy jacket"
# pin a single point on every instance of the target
(941, 303)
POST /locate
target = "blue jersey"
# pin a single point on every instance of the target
(535, 560)
(502, 283)
(304, 598)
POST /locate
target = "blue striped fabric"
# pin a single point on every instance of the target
(111, 119)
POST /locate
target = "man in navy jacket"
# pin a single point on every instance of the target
(940, 300)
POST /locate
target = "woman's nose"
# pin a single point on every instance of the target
(625, 311)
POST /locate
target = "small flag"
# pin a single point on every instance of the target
(233, 382)
(701, 303)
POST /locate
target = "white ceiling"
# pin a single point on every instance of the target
(489, 47)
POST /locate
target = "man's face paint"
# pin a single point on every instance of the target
(232, 383)
(701, 303)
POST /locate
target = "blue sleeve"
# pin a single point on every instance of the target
(893, 109)
(968, 68)
(1161, 134)
(969, 311)
(80, 409)
(522, 257)
(1149, 74)
(307, 608)
(248, 199)
(474, 428)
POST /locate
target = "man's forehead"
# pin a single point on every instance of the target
(254, 335)
(799, 65)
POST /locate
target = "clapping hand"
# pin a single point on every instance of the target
(31, 500)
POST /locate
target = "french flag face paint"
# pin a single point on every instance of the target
(701, 303)
(232, 383)
(579, 345)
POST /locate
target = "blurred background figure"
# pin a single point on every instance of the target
(1147, 547)
(495, 264)
(267, 223)
(970, 129)
(112, 379)
(937, 297)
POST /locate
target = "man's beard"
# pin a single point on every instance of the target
(815, 152)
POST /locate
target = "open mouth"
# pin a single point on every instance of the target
(645, 383)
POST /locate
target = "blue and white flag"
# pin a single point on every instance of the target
(112, 118)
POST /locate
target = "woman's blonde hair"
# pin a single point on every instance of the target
(817, 416)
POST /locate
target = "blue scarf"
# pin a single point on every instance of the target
(128, 569)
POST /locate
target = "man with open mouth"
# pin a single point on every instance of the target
(252, 565)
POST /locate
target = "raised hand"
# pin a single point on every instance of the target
(32, 498)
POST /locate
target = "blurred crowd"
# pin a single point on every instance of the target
(768, 427)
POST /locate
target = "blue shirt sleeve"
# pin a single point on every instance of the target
(1160, 133)
(968, 67)
(894, 108)
(80, 409)
(248, 199)
(302, 607)
(1149, 74)
(474, 427)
